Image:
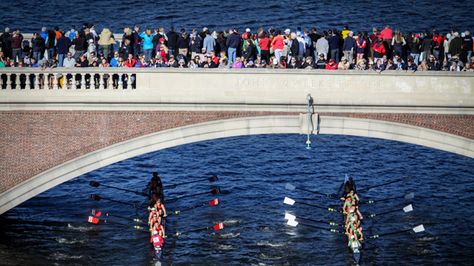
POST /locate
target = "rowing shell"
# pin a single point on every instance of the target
(356, 247)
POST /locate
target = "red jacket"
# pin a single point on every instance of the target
(264, 44)
(130, 63)
(331, 67)
(278, 42)
(386, 34)
(379, 48)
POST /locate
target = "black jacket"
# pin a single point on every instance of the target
(37, 44)
(250, 53)
(172, 39)
(295, 47)
(63, 44)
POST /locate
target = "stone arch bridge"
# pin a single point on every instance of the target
(53, 129)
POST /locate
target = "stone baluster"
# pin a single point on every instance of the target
(17, 81)
(27, 81)
(101, 81)
(72, 81)
(37, 81)
(9, 81)
(83, 81)
(120, 81)
(55, 81)
(109, 82)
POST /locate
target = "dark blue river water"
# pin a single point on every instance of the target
(407, 15)
(52, 229)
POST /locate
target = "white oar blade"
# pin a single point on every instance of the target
(410, 196)
(289, 216)
(289, 201)
(290, 186)
(408, 208)
(292, 223)
(419, 228)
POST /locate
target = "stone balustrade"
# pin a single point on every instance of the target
(64, 78)
(244, 89)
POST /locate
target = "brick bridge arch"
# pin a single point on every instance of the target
(43, 149)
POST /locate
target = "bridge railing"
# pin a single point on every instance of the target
(67, 78)
(233, 89)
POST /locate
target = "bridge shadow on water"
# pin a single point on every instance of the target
(253, 171)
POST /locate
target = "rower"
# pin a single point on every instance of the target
(353, 217)
(354, 238)
(348, 202)
(160, 208)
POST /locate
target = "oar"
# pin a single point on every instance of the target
(289, 216)
(292, 187)
(98, 213)
(211, 203)
(291, 202)
(99, 198)
(408, 196)
(210, 179)
(416, 229)
(216, 227)
(405, 178)
(97, 184)
(213, 192)
(95, 220)
(405, 209)
(294, 223)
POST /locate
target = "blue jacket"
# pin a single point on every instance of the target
(147, 41)
(233, 40)
(209, 43)
(349, 44)
(334, 42)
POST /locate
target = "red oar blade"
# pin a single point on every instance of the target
(215, 191)
(218, 226)
(96, 213)
(214, 202)
(93, 220)
(213, 178)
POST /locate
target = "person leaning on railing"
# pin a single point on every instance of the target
(252, 49)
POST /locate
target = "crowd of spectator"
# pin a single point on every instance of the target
(386, 49)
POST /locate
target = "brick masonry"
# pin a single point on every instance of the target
(32, 142)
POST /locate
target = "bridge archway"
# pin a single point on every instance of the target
(230, 128)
